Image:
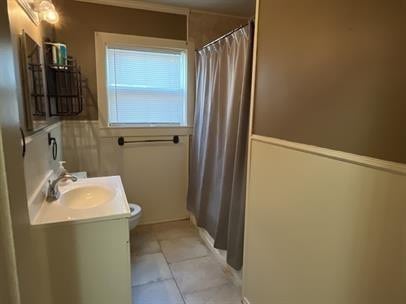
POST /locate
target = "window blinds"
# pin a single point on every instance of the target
(146, 86)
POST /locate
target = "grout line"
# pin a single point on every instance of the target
(190, 259)
(153, 282)
(209, 254)
(158, 280)
(168, 264)
(214, 287)
(174, 279)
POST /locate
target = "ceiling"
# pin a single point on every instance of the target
(245, 8)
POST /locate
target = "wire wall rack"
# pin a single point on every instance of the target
(37, 92)
(65, 87)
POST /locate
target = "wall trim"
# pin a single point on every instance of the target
(109, 132)
(250, 131)
(33, 15)
(219, 14)
(365, 161)
(47, 129)
(75, 122)
(245, 301)
(156, 7)
(142, 5)
(183, 218)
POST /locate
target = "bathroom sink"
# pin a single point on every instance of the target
(86, 196)
(89, 199)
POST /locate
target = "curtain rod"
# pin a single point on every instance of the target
(225, 35)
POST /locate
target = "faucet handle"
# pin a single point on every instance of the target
(61, 169)
(53, 190)
(71, 177)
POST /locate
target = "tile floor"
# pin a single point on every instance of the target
(171, 265)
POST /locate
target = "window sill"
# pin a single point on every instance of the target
(132, 130)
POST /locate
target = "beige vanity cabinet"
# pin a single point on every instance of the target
(89, 262)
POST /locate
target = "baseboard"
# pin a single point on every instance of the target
(183, 218)
(220, 255)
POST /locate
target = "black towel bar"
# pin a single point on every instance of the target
(121, 141)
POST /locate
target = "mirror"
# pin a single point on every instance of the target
(33, 84)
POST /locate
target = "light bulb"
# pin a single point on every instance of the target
(46, 11)
(51, 16)
(44, 7)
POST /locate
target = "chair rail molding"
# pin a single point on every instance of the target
(366, 161)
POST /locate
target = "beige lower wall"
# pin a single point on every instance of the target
(154, 175)
(322, 230)
(38, 162)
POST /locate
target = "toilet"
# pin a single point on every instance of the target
(135, 215)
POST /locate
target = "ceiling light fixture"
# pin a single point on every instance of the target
(46, 11)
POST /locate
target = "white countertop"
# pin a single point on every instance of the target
(56, 212)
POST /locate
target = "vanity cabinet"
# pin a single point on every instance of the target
(89, 262)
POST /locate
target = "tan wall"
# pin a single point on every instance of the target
(204, 28)
(324, 226)
(38, 161)
(79, 21)
(30, 251)
(19, 22)
(332, 74)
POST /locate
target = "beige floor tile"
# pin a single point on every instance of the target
(144, 247)
(143, 233)
(224, 294)
(163, 292)
(174, 230)
(150, 268)
(176, 250)
(179, 224)
(143, 241)
(143, 228)
(141, 247)
(198, 274)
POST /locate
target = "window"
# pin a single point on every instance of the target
(145, 81)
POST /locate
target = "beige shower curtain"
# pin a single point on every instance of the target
(216, 193)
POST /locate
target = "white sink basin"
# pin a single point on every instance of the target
(90, 199)
(86, 197)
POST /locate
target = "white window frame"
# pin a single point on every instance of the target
(105, 40)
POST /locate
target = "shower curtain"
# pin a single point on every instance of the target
(216, 194)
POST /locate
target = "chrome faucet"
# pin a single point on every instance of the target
(53, 190)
